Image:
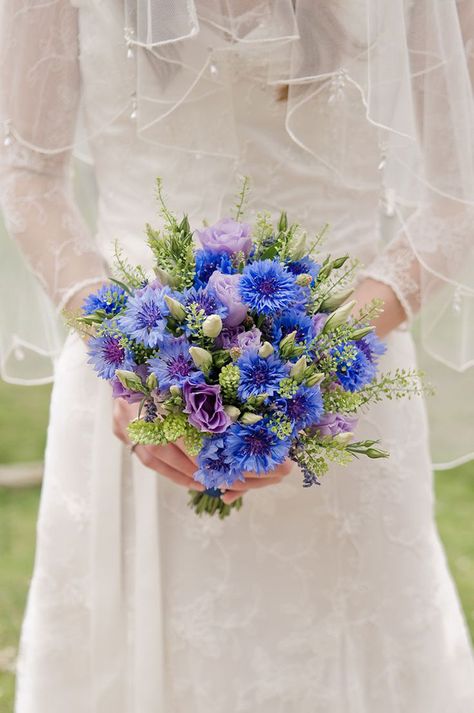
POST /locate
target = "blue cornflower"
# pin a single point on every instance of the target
(145, 315)
(259, 375)
(267, 287)
(206, 299)
(208, 262)
(174, 364)
(216, 465)
(372, 346)
(353, 372)
(304, 408)
(293, 321)
(107, 354)
(111, 298)
(305, 265)
(256, 447)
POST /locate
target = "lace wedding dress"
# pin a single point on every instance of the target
(332, 599)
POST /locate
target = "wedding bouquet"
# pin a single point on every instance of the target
(244, 347)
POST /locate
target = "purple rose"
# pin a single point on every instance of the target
(333, 423)
(250, 339)
(226, 288)
(226, 236)
(204, 407)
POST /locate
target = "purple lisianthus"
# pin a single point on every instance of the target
(319, 320)
(228, 337)
(228, 236)
(119, 391)
(226, 288)
(203, 404)
(333, 423)
(249, 340)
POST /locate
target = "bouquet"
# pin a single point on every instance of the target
(244, 346)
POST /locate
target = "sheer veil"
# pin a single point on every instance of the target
(410, 64)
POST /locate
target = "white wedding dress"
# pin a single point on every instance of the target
(335, 599)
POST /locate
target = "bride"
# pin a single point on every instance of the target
(357, 113)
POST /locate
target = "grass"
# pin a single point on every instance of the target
(23, 417)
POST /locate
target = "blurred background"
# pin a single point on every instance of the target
(23, 424)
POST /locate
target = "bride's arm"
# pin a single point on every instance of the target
(433, 248)
(39, 98)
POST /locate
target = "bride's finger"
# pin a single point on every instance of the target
(230, 496)
(166, 470)
(174, 457)
(179, 443)
(255, 483)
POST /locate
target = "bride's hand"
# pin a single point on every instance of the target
(172, 461)
(254, 482)
(169, 460)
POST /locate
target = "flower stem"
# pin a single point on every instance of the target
(210, 502)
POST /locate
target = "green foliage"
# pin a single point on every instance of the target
(369, 312)
(281, 425)
(147, 433)
(127, 276)
(195, 317)
(242, 197)
(400, 384)
(172, 247)
(263, 232)
(229, 380)
(340, 401)
(288, 387)
(193, 440)
(335, 276)
(174, 426)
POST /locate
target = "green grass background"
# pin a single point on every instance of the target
(23, 418)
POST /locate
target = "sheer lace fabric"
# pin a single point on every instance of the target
(311, 602)
(40, 94)
(379, 100)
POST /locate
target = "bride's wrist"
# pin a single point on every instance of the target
(393, 313)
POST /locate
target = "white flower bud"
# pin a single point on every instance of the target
(175, 390)
(362, 332)
(315, 378)
(289, 340)
(334, 301)
(164, 277)
(233, 412)
(298, 369)
(152, 381)
(201, 357)
(176, 308)
(298, 248)
(248, 419)
(130, 380)
(212, 326)
(338, 317)
(344, 438)
(266, 350)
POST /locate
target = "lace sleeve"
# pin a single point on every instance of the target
(432, 251)
(39, 97)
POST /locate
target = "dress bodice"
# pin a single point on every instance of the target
(260, 145)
